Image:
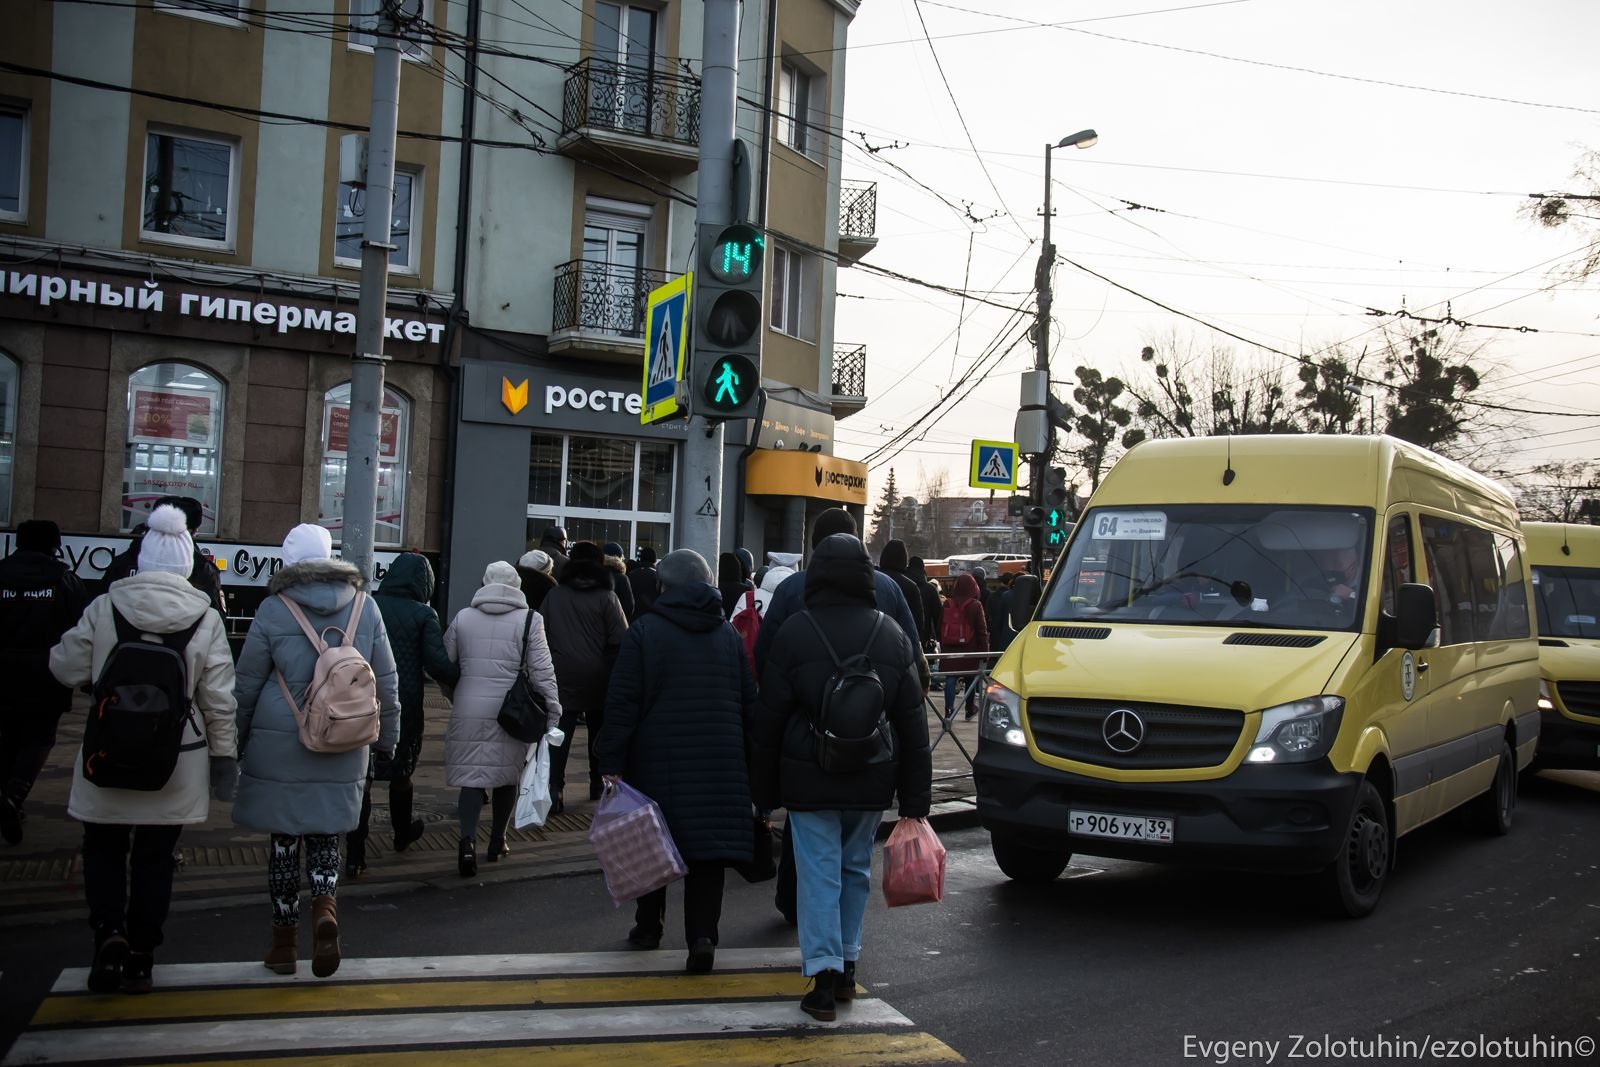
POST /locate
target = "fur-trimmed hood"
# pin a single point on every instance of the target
(586, 576)
(323, 585)
(616, 563)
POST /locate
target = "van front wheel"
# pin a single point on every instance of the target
(1355, 880)
(1027, 863)
(1493, 809)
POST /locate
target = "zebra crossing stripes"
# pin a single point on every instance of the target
(561, 1009)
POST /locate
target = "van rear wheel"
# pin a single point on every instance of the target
(1031, 864)
(1355, 880)
(1492, 811)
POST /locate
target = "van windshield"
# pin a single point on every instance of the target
(1238, 565)
(1569, 601)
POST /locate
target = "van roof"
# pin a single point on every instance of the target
(1302, 469)
(1546, 538)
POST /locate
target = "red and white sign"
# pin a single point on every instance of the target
(338, 445)
(173, 417)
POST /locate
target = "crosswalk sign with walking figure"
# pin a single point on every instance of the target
(666, 348)
(994, 465)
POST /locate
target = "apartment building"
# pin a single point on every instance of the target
(180, 263)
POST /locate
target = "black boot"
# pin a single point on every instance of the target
(702, 956)
(819, 1003)
(110, 956)
(845, 987)
(10, 821)
(355, 858)
(467, 858)
(407, 831)
(136, 973)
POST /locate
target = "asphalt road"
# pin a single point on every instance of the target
(1115, 963)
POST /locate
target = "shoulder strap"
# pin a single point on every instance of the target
(750, 601)
(522, 649)
(305, 624)
(872, 636)
(177, 640)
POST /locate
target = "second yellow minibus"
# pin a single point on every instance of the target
(1271, 652)
(1566, 591)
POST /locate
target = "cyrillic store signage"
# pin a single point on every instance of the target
(806, 474)
(556, 400)
(238, 565)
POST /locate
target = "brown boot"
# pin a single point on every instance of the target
(284, 954)
(324, 936)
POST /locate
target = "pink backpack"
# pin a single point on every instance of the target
(747, 624)
(341, 709)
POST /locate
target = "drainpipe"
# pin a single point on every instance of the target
(458, 312)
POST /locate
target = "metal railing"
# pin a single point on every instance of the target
(858, 209)
(850, 370)
(603, 94)
(602, 298)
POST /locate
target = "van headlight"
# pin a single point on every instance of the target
(1297, 732)
(1545, 703)
(1002, 716)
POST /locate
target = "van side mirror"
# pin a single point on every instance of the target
(1024, 598)
(1416, 621)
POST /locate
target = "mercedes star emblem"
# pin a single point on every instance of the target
(1123, 731)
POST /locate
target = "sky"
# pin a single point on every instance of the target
(1290, 203)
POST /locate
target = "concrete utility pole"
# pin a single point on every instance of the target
(719, 86)
(366, 370)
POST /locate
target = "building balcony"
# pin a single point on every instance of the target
(858, 221)
(599, 308)
(646, 117)
(849, 379)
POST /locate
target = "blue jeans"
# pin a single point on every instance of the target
(833, 855)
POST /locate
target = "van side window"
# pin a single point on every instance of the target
(1451, 577)
(1398, 569)
(1510, 618)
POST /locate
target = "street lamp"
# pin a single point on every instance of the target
(1036, 386)
(1355, 390)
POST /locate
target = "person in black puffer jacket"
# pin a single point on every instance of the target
(732, 582)
(676, 719)
(619, 579)
(894, 561)
(537, 571)
(584, 622)
(833, 817)
(417, 641)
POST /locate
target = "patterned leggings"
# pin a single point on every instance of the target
(283, 872)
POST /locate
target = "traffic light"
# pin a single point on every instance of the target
(725, 353)
(1033, 517)
(1057, 517)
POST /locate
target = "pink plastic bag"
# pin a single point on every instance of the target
(630, 837)
(913, 864)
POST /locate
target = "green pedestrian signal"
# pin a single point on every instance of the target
(1056, 538)
(729, 383)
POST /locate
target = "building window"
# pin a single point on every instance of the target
(226, 11)
(797, 91)
(794, 293)
(350, 220)
(364, 20)
(174, 443)
(9, 377)
(13, 163)
(393, 432)
(615, 288)
(190, 189)
(602, 489)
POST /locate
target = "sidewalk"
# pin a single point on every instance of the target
(42, 878)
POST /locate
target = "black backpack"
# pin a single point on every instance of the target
(852, 725)
(141, 707)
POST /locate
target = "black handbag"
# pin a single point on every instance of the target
(763, 867)
(523, 713)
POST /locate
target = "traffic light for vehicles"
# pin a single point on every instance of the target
(1033, 517)
(725, 354)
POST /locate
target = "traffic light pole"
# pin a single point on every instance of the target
(701, 497)
(1041, 362)
(366, 371)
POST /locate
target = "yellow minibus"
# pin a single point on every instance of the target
(1566, 594)
(1277, 652)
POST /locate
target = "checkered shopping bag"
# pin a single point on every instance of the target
(630, 837)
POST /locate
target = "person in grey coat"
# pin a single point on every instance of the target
(306, 799)
(486, 639)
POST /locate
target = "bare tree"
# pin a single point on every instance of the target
(1576, 208)
(1206, 391)
(1559, 492)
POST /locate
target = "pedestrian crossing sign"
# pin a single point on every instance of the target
(994, 465)
(666, 348)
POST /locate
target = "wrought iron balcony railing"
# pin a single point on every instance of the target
(602, 298)
(858, 210)
(850, 370)
(602, 94)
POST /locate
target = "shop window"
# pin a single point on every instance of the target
(394, 430)
(350, 220)
(9, 378)
(602, 489)
(190, 189)
(13, 162)
(174, 443)
(794, 292)
(364, 20)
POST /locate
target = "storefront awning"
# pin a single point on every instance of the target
(771, 472)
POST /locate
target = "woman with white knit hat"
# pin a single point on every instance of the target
(131, 829)
(492, 640)
(306, 799)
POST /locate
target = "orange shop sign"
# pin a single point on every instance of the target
(773, 472)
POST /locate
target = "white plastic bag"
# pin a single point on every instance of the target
(533, 796)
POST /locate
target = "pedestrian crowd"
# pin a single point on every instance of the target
(720, 694)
